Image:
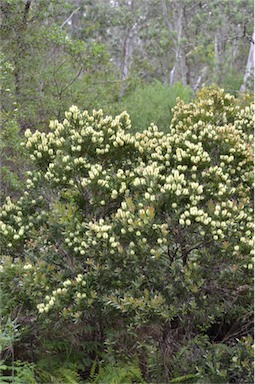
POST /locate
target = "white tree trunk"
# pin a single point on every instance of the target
(127, 52)
(249, 71)
(200, 78)
(172, 75)
(178, 72)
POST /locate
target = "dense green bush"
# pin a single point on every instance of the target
(136, 247)
(153, 103)
(10, 149)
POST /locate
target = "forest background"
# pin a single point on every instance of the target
(138, 56)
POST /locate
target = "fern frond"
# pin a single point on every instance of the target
(68, 376)
(93, 369)
(62, 375)
(184, 379)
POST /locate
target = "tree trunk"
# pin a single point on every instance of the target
(200, 79)
(127, 49)
(20, 49)
(126, 56)
(216, 67)
(249, 71)
(179, 72)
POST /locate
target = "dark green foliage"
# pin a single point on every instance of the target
(20, 373)
(116, 372)
(10, 139)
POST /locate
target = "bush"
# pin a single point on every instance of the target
(153, 103)
(11, 152)
(123, 244)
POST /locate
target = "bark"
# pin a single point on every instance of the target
(186, 61)
(172, 75)
(201, 78)
(20, 49)
(235, 43)
(249, 71)
(216, 58)
(127, 49)
(165, 16)
(179, 72)
(20, 56)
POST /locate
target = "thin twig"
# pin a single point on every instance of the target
(66, 21)
(71, 82)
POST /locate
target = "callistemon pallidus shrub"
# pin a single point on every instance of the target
(143, 228)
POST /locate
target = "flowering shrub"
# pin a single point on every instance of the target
(130, 231)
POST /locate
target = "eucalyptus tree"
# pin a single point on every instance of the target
(194, 42)
(249, 71)
(210, 39)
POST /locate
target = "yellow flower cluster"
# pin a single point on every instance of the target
(59, 293)
(134, 194)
